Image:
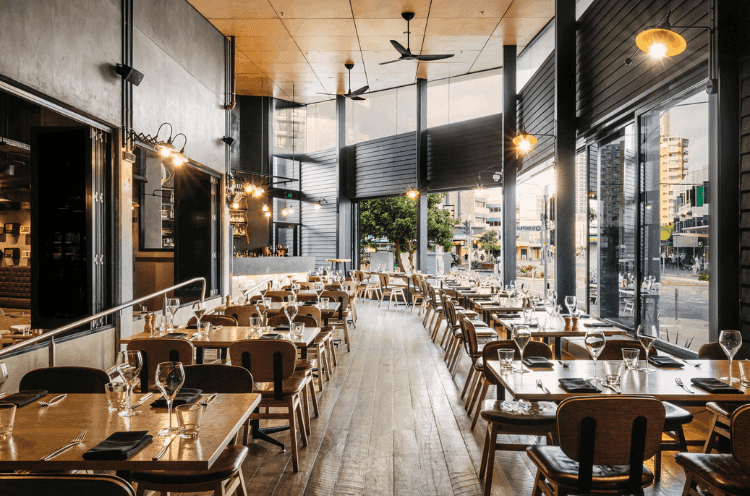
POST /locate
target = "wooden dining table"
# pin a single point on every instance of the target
(660, 384)
(490, 308)
(38, 431)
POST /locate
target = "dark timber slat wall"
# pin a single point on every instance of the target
(607, 87)
(745, 183)
(456, 153)
(319, 180)
(384, 167)
(536, 107)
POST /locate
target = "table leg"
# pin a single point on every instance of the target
(500, 392)
(199, 354)
(558, 348)
(223, 353)
(486, 317)
(303, 352)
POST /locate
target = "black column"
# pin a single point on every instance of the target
(565, 147)
(724, 174)
(345, 242)
(421, 145)
(510, 164)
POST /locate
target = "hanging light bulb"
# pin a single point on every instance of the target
(412, 193)
(661, 41)
(317, 206)
(165, 149)
(257, 191)
(524, 142)
(235, 205)
(267, 214)
(265, 208)
(249, 188)
(290, 210)
(179, 158)
(284, 212)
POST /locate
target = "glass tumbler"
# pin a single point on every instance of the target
(631, 356)
(189, 420)
(613, 372)
(7, 418)
(744, 372)
(506, 358)
(117, 395)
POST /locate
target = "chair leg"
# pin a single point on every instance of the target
(473, 392)
(332, 349)
(316, 411)
(712, 435)
(482, 396)
(537, 484)
(293, 405)
(490, 460)
(346, 337)
(485, 452)
(305, 406)
(469, 377)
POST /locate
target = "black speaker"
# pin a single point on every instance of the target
(130, 74)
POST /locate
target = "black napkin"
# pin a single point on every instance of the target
(597, 324)
(23, 398)
(665, 361)
(273, 335)
(714, 386)
(175, 335)
(119, 446)
(532, 362)
(184, 396)
(282, 327)
(577, 385)
(310, 302)
(509, 315)
(580, 315)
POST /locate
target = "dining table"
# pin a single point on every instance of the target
(660, 384)
(540, 331)
(38, 431)
(224, 337)
(488, 308)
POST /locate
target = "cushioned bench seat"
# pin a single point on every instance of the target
(15, 287)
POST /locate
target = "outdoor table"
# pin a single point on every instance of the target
(226, 336)
(660, 384)
(540, 332)
(38, 431)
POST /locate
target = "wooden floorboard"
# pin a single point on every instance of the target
(392, 422)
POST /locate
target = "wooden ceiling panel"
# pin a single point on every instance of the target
(437, 71)
(390, 27)
(383, 43)
(324, 69)
(234, 9)
(469, 8)
(300, 70)
(335, 43)
(489, 60)
(496, 43)
(462, 26)
(281, 41)
(464, 56)
(249, 27)
(244, 65)
(451, 44)
(532, 8)
(523, 26)
(320, 27)
(334, 57)
(277, 57)
(389, 9)
(312, 9)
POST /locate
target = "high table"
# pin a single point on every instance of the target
(337, 261)
(39, 431)
(660, 384)
(540, 332)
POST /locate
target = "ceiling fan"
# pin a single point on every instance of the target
(406, 52)
(354, 95)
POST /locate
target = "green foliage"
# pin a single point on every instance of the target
(396, 220)
(703, 276)
(489, 241)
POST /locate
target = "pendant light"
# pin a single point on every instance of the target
(179, 158)
(164, 148)
(524, 142)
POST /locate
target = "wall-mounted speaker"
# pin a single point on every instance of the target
(129, 74)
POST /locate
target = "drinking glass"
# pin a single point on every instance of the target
(730, 342)
(549, 307)
(319, 288)
(189, 420)
(3, 375)
(129, 364)
(156, 326)
(630, 356)
(117, 395)
(522, 336)
(613, 372)
(172, 305)
(291, 311)
(744, 372)
(528, 315)
(595, 342)
(170, 376)
(570, 302)
(199, 309)
(202, 329)
(297, 329)
(506, 358)
(7, 418)
(324, 303)
(647, 340)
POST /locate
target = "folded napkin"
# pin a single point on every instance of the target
(577, 385)
(596, 324)
(119, 446)
(461, 288)
(175, 335)
(272, 335)
(192, 326)
(714, 386)
(665, 361)
(509, 315)
(184, 396)
(537, 362)
(282, 327)
(310, 302)
(23, 398)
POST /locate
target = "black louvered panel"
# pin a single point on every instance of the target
(457, 152)
(606, 87)
(536, 113)
(384, 167)
(319, 180)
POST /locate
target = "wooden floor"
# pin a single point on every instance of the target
(392, 422)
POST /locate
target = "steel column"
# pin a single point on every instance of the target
(510, 165)
(422, 205)
(344, 244)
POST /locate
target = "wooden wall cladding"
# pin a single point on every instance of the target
(606, 87)
(319, 180)
(745, 183)
(456, 153)
(383, 167)
(536, 113)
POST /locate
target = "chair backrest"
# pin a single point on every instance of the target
(587, 427)
(449, 309)
(613, 349)
(533, 349)
(65, 484)
(217, 320)
(242, 313)
(334, 286)
(359, 276)
(307, 286)
(741, 435)
(713, 351)
(218, 378)
(73, 380)
(471, 345)
(350, 287)
(156, 351)
(311, 311)
(268, 360)
(313, 279)
(384, 280)
(340, 296)
(433, 296)
(278, 320)
(283, 294)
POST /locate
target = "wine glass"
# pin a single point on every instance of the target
(549, 307)
(3, 375)
(199, 309)
(172, 305)
(291, 311)
(522, 336)
(595, 342)
(647, 340)
(129, 364)
(319, 288)
(170, 376)
(730, 342)
(570, 302)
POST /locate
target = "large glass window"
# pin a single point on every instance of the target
(381, 114)
(534, 229)
(675, 218)
(320, 127)
(463, 98)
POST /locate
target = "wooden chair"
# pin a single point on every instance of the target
(334, 286)
(272, 365)
(416, 292)
(613, 349)
(215, 320)
(272, 298)
(391, 291)
(242, 313)
(323, 344)
(283, 294)
(156, 351)
(351, 288)
(72, 380)
(722, 475)
(339, 321)
(713, 351)
(484, 380)
(587, 427)
(313, 279)
(434, 312)
(64, 484)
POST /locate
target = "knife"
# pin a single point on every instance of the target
(617, 391)
(141, 401)
(165, 448)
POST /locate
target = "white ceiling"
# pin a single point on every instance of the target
(286, 47)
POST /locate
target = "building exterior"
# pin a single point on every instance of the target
(673, 158)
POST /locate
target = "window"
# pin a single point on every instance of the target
(381, 114)
(465, 97)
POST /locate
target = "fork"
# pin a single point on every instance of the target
(541, 386)
(54, 400)
(78, 440)
(683, 386)
(208, 400)
(565, 365)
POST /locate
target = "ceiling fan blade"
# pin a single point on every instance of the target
(427, 58)
(358, 98)
(329, 94)
(360, 91)
(398, 46)
(391, 61)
